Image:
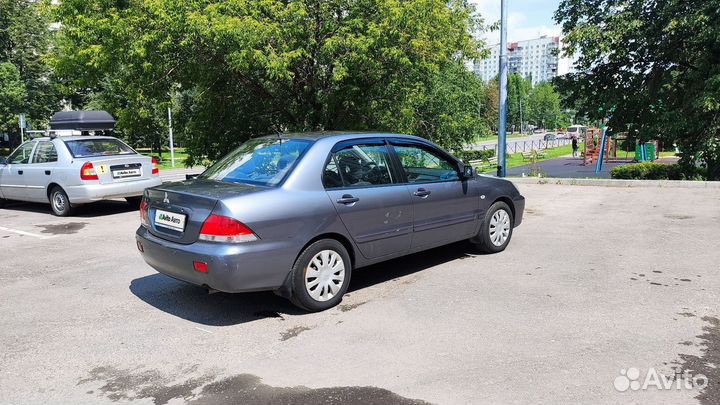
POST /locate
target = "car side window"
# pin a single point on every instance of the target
(357, 166)
(422, 165)
(45, 153)
(21, 154)
(331, 176)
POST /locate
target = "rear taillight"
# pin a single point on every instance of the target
(218, 228)
(155, 167)
(144, 220)
(87, 172)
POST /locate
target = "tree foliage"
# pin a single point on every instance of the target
(654, 67)
(235, 69)
(519, 90)
(12, 95)
(27, 84)
(544, 107)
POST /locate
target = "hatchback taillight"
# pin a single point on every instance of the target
(144, 219)
(87, 172)
(218, 228)
(155, 167)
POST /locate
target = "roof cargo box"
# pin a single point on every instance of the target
(82, 120)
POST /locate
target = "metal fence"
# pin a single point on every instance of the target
(528, 146)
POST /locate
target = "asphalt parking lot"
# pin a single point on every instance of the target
(596, 280)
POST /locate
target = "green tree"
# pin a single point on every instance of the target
(238, 69)
(12, 95)
(25, 41)
(519, 90)
(653, 68)
(544, 107)
(449, 111)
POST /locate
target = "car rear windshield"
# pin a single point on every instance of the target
(98, 147)
(262, 161)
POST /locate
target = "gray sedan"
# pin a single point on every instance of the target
(74, 170)
(295, 214)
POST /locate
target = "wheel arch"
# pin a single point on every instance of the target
(507, 200)
(285, 290)
(336, 236)
(50, 187)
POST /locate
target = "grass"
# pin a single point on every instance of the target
(180, 156)
(516, 159)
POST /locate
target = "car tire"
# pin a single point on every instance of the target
(2, 202)
(496, 229)
(134, 201)
(59, 202)
(322, 258)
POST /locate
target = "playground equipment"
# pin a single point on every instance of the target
(647, 151)
(591, 149)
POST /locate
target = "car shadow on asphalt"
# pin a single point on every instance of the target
(96, 209)
(222, 309)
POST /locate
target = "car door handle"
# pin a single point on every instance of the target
(20, 172)
(347, 199)
(422, 193)
(48, 172)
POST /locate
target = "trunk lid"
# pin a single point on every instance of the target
(122, 168)
(190, 202)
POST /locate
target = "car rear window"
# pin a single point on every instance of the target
(261, 161)
(98, 147)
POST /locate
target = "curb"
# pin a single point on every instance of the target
(617, 182)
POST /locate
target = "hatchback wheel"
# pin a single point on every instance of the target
(496, 229)
(60, 202)
(321, 275)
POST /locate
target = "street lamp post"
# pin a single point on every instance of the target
(170, 138)
(502, 108)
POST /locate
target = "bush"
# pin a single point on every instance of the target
(468, 155)
(648, 171)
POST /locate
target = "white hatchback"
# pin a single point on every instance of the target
(69, 171)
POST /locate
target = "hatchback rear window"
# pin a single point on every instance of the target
(263, 162)
(98, 147)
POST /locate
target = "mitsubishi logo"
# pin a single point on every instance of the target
(166, 200)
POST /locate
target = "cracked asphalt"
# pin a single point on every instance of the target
(595, 281)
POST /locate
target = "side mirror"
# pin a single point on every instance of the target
(467, 171)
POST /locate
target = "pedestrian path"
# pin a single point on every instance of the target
(179, 174)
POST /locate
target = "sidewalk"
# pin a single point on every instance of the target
(179, 174)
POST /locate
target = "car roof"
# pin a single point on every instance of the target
(74, 137)
(339, 135)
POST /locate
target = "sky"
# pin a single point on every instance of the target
(527, 19)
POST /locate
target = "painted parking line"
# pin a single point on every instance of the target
(19, 232)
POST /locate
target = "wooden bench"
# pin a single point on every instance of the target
(484, 163)
(529, 155)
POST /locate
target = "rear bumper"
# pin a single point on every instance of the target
(519, 203)
(253, 266)
(87, 193)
